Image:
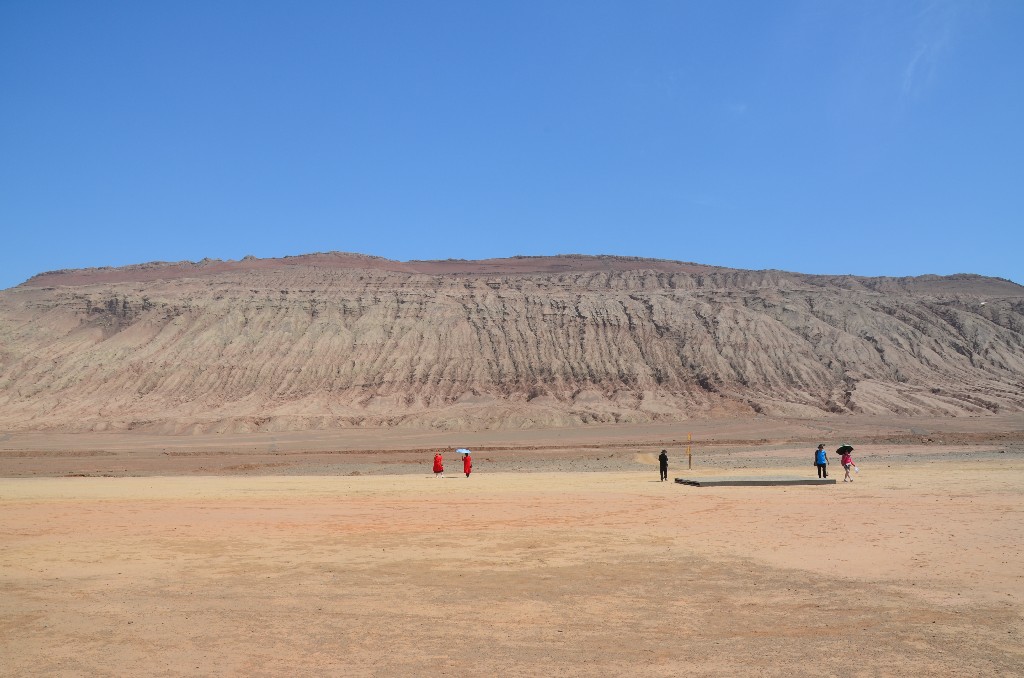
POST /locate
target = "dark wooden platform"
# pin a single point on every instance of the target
(754, 482)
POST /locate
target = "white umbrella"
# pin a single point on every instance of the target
(463, 450)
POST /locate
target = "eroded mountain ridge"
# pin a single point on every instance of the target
(338, 340)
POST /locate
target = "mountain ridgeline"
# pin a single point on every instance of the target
(340, 340)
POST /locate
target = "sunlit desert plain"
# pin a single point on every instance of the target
(340, 553)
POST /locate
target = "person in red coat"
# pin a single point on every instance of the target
(467, 464)
(438, 466)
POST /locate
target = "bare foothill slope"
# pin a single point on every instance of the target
(339, 340)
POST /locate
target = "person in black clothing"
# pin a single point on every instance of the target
(663, 463)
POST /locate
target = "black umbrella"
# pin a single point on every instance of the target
(844, 449)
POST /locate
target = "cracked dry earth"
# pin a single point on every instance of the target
(911, 570)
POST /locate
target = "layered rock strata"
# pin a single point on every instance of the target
(339, 340)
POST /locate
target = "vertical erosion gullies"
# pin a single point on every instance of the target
(311, 347)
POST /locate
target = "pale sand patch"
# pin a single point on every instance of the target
(910, 570)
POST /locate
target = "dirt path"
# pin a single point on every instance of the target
(913, 569)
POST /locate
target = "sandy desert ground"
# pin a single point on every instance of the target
(562, 555)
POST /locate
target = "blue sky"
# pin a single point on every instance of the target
(873, 137)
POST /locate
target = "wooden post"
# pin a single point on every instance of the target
(689, 454)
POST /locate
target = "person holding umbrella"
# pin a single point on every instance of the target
(846, 459)
(467, 460)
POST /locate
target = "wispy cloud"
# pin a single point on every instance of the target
(937, 25)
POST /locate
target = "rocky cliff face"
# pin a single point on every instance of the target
(339, 340)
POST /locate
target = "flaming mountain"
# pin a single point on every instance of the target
(340, 340)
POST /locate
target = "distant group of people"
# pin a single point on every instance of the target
(845, 453)
(467, 465)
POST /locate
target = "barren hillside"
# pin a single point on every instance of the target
(338, 340)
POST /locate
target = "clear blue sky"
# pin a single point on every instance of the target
(876, 137)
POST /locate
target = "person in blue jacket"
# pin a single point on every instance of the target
(821, 461)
